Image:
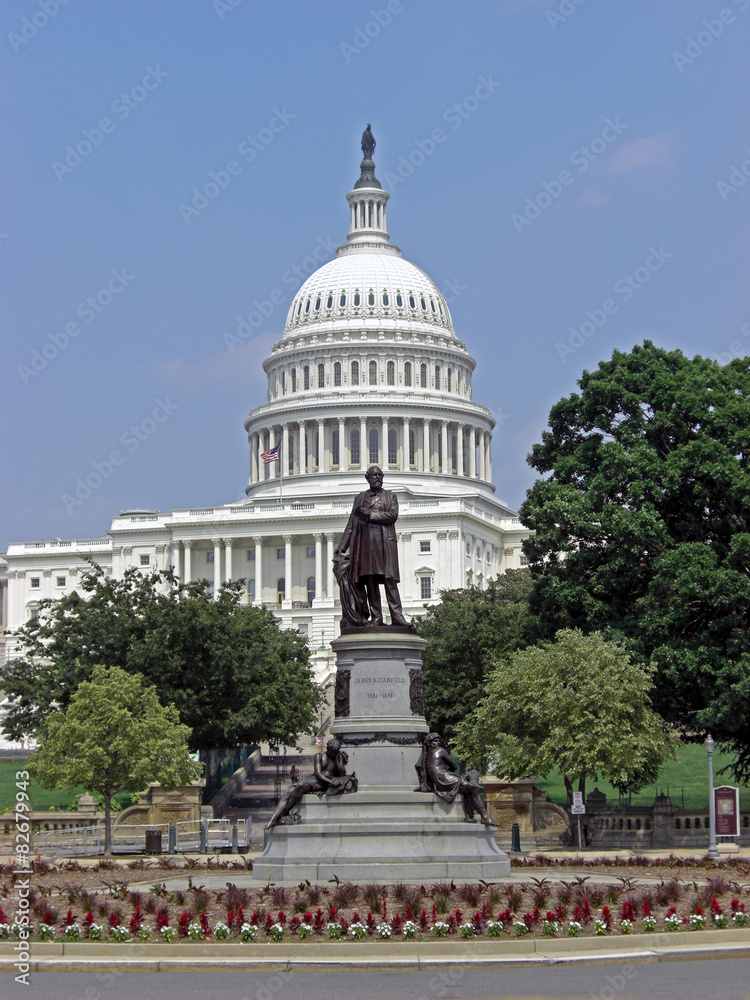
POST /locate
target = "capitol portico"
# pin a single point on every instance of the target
(368, 370)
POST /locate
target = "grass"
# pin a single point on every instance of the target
(685, 781)
(40, 798)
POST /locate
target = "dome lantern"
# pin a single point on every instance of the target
(367, 201)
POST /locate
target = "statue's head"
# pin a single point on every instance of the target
(374, 477)
(334, 744)
(432, 740)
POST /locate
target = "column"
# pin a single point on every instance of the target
(481, 455)
(442, 577)
(302, 449)
(228, 570)
(343, 446)
(287, 602)
(188, 554)
(460, 447)
(273, 466)
(322, 464)
(488, 458)
(405, 447)
(444, 440)
(258, 570)
(216, 542)
(384, 444)
(426, 446)
(285, 445)
(329, 566)
(473, 452)
(407, 576)
(319, 566)
(364, 455)
(455, 561)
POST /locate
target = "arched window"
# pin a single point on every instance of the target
(399, 299)
(437, 376)
(335, 447)
(342, 300)
(299, 308)
(386, 300)
(329, 301)
(454, 454)
(449, 386)
(290, 451)
(280, 590)
(390, 373)
(412, 448)
(432, 304)
(371, 298)
(373, 373)
(357, 299)
(317, 304)
(251, 591)
(374, 451)
(321, 376)
(412, 303)
(337, 373)
(687, 823)
(294, 379)
(355, 372)
(310, 589)
(439, 453)
(283, 383)
(423, 303)
(407, 373)
(307, 306)
(354, 445)
(392, 447)
(306, 377)
(423, 376)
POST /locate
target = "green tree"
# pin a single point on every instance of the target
(642, 528)
(579, 704)
(233, 674)
(466, 632)
(114, 735)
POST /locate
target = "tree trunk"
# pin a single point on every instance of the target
(568, 789)
(107, 823)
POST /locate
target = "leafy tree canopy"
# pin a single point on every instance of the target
(579, 704)
(234, 676)
(113, 735)
(466, 632)
(642, 528)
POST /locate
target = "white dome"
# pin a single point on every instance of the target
(369, 284)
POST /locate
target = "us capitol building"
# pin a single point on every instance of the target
(368, 370)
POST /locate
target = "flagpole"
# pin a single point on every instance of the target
(281, 478)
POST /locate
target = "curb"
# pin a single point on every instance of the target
(343, 956)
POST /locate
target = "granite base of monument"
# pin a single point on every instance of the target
(385, 831)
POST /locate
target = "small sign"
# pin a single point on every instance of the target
(577, 798)
(727, 804)
(578, 809)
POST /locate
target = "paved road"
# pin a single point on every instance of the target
(728, 979)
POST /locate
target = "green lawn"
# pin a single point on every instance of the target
(40, 798)
(684, 781)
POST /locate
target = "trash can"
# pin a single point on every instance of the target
(153, 841)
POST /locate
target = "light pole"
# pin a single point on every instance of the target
(713, 852)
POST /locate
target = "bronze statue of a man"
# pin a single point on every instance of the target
(368, 143)
(370, 540)
(329, 777)
(438, 773)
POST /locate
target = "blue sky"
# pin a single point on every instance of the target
(543, 158)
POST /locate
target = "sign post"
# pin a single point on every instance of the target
(578, 809)
(727, 811)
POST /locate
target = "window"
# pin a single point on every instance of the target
(209, 557)
(386, 300)
(145, 561)
(412, 303)
(306, 377)
(454, 454)
(412, 448)
(337, 373)
(399, 300)
(321, 376)
(357, 299)
(423, 376)
(310, 551)
(251, 555)
(317, 304)
(304, 629)
(294, 379)
(425, 586)
(373, 373)
(280, 553)
(371, 298)
(437, 376)
(280, 590)
(392, 447)
(424, 546)
(449, 386)
(407, 373)
(307, 306)
(290, 455)
(423, 303)
(251, 590)
(329, 301)
(310, 589)
(335, 447)
(60, 581)
(355, 372)
(373, 441)
(283, 383)
(524, 560)
(390, 370)
(354, 446)
(342, 300)
(35, 582)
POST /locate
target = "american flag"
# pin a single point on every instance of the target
(272, 455)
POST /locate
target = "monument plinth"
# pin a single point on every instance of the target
(386, 830)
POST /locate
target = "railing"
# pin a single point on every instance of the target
(199, 513)
(197, 836)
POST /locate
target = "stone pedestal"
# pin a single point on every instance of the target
(386, 831)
